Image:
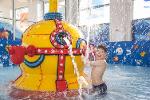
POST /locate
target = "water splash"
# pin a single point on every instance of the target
(88, 39)
(81, 80)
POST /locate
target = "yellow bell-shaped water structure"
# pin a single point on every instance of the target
(44, 55)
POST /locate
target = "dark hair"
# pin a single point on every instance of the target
(102, 47)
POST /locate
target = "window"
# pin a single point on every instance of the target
(39, 11)
(21, 11)
(22, 23)
(94, 12)
(61, 8)
(100, 2)
(46, 7)
(141, 9)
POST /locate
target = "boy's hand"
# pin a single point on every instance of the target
(88, 62)
(85, 60)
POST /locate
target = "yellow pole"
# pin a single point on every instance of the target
(53, 5)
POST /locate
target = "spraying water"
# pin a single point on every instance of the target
(81, 80)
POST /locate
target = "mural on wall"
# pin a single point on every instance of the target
(141, 29)
(98, 33)
(136, 52)
(129, 52)
(6, 38)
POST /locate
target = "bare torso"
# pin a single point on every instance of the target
(98, 70)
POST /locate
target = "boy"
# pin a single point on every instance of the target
(98, 69)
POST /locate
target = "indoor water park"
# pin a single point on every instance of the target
(74, 50)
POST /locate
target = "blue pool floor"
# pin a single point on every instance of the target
(124, 83)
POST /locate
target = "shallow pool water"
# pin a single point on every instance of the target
(128, 83)
(124, 83)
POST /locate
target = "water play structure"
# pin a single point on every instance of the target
(44, 55)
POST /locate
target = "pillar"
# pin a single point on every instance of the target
(121, 15)
(72, 11)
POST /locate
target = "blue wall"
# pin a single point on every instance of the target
(129, 53)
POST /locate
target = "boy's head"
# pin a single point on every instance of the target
(101, 52)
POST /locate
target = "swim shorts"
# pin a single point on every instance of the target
(101, 89)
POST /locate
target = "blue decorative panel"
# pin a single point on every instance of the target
(131, 53)
(6, 38)
(141, 29)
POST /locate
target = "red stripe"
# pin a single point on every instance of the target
(60, 67)
(53, 51)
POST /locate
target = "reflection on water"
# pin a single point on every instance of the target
(124, 83)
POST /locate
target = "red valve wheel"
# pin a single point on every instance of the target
(31, 50)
